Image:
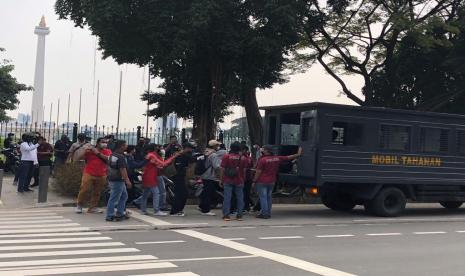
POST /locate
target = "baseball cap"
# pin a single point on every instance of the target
(213, 143)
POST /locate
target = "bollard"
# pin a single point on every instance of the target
(44, 175)
(1, 182)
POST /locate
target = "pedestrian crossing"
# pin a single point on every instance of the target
(42, 242)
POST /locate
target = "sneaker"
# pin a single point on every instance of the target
(34, 185)
(78, 210)
(239, 218)
(160, 213)
(260, 216)
(208, 213)
(94, 211)
(164, 209)
(226, 218)
(110, 219)
(180, 214)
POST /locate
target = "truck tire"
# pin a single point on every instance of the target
(338, 202)
(389, 202)
(451, 204)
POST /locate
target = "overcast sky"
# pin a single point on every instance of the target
(69, 67)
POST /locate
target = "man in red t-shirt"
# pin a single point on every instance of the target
(94, 176)
(265, 177)
(233, 167)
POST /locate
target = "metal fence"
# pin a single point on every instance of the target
(52, 133)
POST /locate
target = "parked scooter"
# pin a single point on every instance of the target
(12, 159)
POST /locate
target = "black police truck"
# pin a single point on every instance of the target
(377, 157)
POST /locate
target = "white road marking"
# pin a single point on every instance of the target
(45, 230)
(170, 274)
(13, 215)
(385, 234)
(13, 226)
(429, 233)
(33, 221)
(209, 259)
(67, 253)
(241, 227)
(462, 231)
(60, 246)
(287, 260)
(236, 239)
(151, 220)
(281, 238)
(2, 219)
(335, 236)
(49, 234)
(102, 267)
(54, 240)
(331, 225)
(374, 224)
(24, 264)
(159, 242)
(286, 226)
(24, 212)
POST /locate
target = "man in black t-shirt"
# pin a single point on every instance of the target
(181, 164)
(172, 147)
(118, 179)
(61, 150)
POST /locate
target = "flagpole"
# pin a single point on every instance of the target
(148, 106)
(80, 96)
(98, 91)
(58, 118)
(119, 101)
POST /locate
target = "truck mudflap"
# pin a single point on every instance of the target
(293, 179)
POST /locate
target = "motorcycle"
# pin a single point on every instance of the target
(12, 159)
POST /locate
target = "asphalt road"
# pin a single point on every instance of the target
(427, 241)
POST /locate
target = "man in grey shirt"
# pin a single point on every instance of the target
(75, 152)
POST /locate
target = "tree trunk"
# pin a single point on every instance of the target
(204, 124)
(254, 119)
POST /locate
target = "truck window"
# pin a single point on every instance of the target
(394, 137)
(290, 128)
(307, 130)
(461, 141)
(434, 139)
(272, 130)
(348, 134)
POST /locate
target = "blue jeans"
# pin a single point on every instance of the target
(264, 192)
(239, 191)
(25, 175)
(155, 197)
(162, 191)
(118, 197)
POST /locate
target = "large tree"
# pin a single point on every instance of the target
(210, 54)
(361, 37)
(9, 88)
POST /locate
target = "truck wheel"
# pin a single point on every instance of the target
(451, 204)
(338, 202)
(389, 202)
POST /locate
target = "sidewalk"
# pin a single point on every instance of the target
(10, 199)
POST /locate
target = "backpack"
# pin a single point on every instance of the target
(233, 172)
(201, 165)
(113, 172)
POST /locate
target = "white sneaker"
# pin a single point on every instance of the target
(160, 213)
(180, 214)
(78, 210)
(208, 214)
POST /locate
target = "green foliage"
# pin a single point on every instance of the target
(9, 89)
(68, 179)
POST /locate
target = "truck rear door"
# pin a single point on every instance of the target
(306, 165)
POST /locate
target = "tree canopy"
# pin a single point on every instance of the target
(9, 88)
(210, 54)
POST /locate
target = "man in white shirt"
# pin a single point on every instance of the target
(28, 161)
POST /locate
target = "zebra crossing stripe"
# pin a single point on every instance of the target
(44, 230)
(170, 274)
(3, 219)
(66, 253)
(60, 246)
(54, 240)
(13, 226)
(24, 264)
(48, 235)
(103, 267)
(34, 221)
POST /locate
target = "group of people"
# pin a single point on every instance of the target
(115, 163)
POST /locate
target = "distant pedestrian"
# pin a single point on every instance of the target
(28, 162)
(150, 178)
(44, 155)
(77, 150)
(61, 149)
(8, 141)
(265, 177)
(232, 179)
(118, 179)
(172, 147)
(248, 202)
(139, 155)
(94, 177)
(181, 164)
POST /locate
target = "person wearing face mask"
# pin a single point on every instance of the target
(94, 177)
